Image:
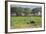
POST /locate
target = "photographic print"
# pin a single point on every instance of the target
(24, 16)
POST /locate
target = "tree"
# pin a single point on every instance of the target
(36, 10)
(17, 10)
(27, 11)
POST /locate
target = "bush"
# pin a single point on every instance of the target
(32, 22)
(28, 23)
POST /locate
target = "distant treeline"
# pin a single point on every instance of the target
(19, 11)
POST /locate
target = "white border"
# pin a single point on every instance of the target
(29, 29)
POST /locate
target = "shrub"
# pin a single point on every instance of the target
(28, 23)
(32, 22)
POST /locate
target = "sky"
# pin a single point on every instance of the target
(25, 6)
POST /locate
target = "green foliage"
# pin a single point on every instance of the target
(36, 10)
(20, 10)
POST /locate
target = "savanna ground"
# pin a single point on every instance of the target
(25, 22)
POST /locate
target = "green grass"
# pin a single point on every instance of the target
(21, 21)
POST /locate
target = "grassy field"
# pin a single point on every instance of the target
(25, 22)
